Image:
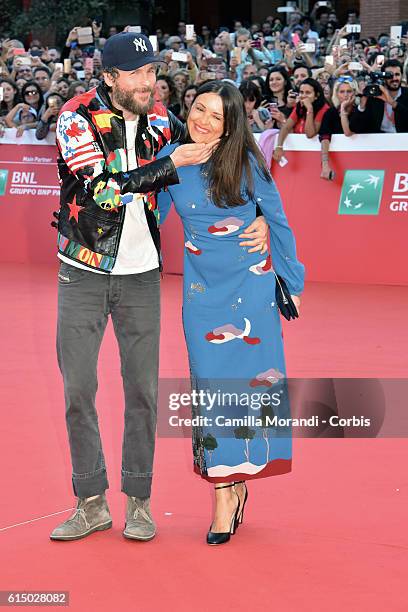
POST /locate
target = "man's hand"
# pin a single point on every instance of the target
(192, 154)
(256, 236)
(386, 96)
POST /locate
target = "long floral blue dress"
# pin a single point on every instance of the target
(232, 325)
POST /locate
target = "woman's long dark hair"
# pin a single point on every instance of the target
(317, 104)
(31, 85)
(231, 161)
(288, 85)
(3, 105)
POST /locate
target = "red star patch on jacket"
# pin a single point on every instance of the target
(74, 209)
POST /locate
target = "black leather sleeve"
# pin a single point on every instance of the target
(178, 128)
(151, 177)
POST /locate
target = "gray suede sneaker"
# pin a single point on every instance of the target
(90, 516)
(139, 521)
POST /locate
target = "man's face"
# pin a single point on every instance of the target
(43, 80)
(133, 90)
(324, 19)
(248, 71)
(394, 83)
(24, 72)
(352, 18)
(299, 75)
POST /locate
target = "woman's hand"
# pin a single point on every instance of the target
(347, 105)
(278, 154)
(296, 301)
(256, 236)
(307, 104)
(277, 115)
(326, 172)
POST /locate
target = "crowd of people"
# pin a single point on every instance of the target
(304, 74)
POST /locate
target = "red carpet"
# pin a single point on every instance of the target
(329, 536)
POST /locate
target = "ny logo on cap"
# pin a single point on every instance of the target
(140, 44)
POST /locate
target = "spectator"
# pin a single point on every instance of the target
(180, 80)
(42, 76)
(387, 113)
(260, 83)
(306, 117)
(187, 98)
(62, 87)
(258, 118)
(24, 71)
(32, 95)
(48, 120)
(248, 71)
(76, 88)
(23, 117)
(279, 95)
(336, 119)
(10, 95)
(166, 91)
(300, 73)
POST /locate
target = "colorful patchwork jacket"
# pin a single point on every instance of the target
(95, 183)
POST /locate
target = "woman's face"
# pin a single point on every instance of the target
(8, 92)
(31, 96)
(180, 81)
(344, 92)
(276, 82)
(189, 97)
(323, 78)
(249, 106)
(206, 119)
(62, 88)
(163, 90)
(242, 40)
(307, 92)
(79, 89)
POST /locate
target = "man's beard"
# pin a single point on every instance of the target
(394, 86)
(126, 100)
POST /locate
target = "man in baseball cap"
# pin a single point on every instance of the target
(128, 63)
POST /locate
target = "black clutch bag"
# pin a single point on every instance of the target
(284, 300)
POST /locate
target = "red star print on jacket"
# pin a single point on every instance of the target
(74, 209)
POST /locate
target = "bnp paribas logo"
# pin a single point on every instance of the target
(361, 193)
(3, 181)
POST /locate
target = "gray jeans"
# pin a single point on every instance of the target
(85, 301)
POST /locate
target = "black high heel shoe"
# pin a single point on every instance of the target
(240, 518)
(221, 538)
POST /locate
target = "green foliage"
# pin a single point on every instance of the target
(59, 14)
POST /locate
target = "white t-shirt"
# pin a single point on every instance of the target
(137, 252)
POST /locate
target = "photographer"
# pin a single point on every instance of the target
(388, 112)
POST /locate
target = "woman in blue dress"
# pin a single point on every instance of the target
(230, 316)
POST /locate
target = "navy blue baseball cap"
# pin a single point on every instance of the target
(128, 51)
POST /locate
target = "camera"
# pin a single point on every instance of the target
(374, 80)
